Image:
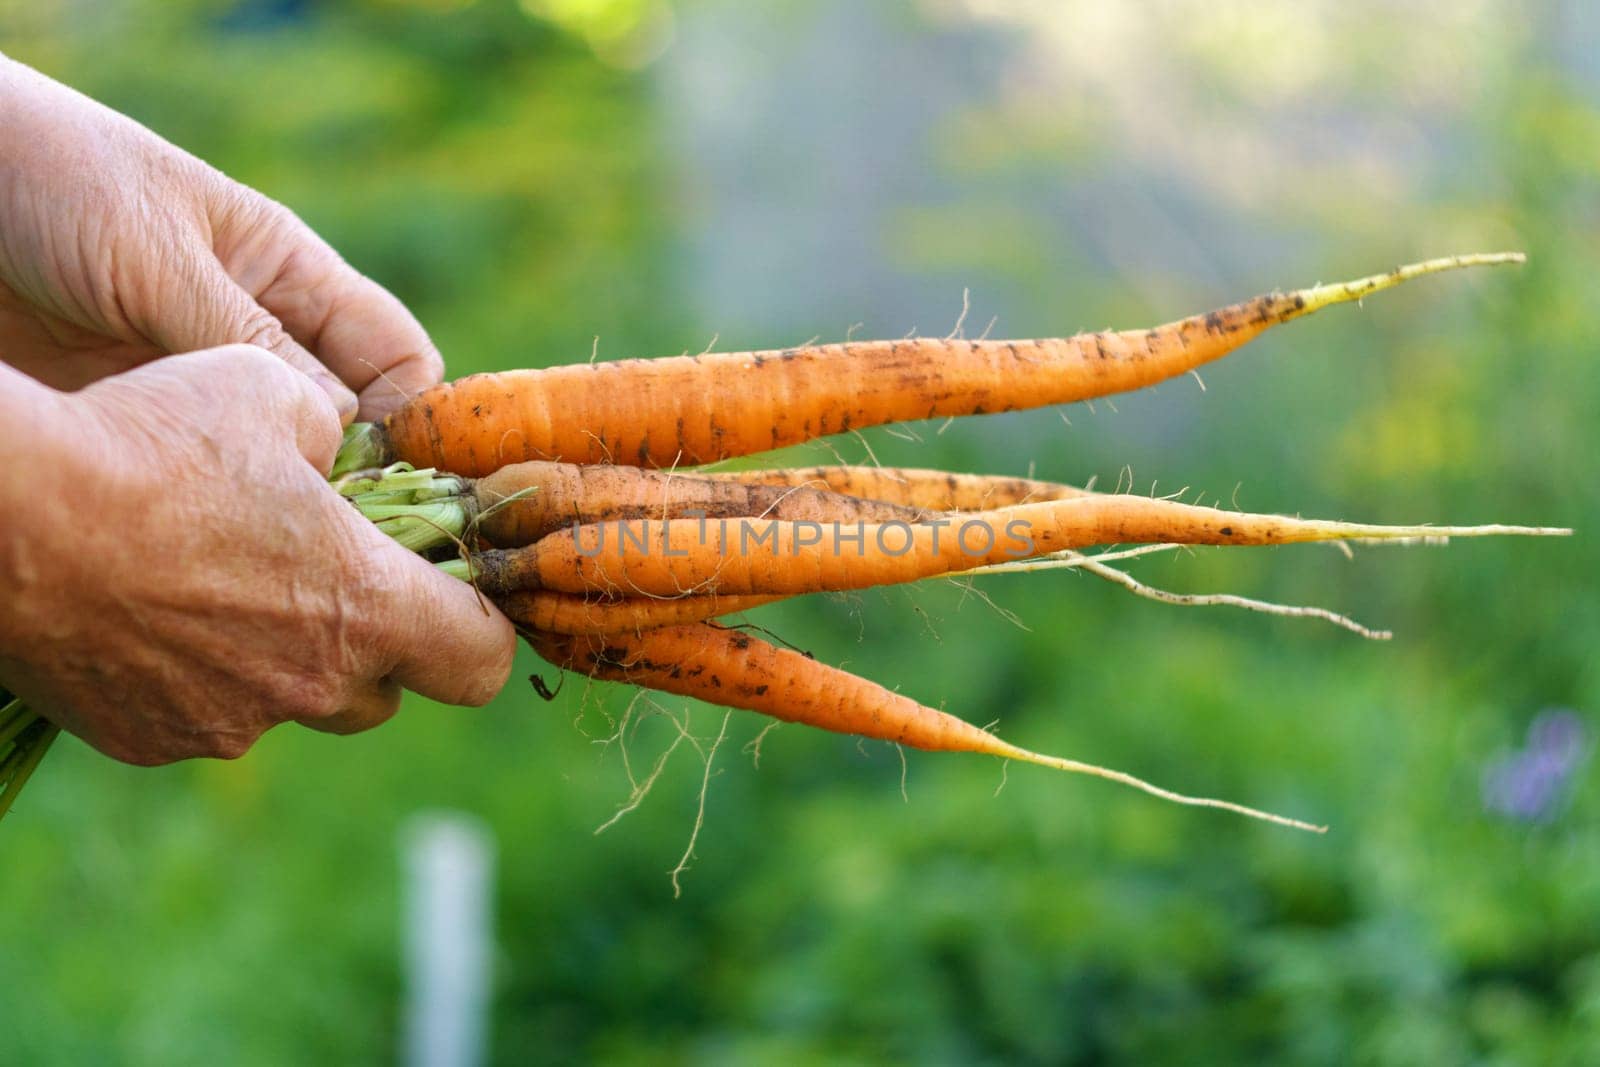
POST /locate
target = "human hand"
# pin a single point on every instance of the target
(190, 580)
(117, 248)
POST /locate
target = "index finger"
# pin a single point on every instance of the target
(370, 340)
(356, 327)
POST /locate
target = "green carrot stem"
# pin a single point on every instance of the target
(360, 449)
(17, 719)
(29, 752)
(420, 527)
(458, 568)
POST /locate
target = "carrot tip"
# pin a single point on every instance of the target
(1010, 751)
(1321, 296)
(1437, 536)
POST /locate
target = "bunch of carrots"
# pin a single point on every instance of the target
(570, 497)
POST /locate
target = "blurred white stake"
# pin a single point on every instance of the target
(449, 869)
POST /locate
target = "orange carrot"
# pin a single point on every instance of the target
(764, 556)
(929, 490)
(525, 501)
(737, 670)
(689, 410)
(568, 613)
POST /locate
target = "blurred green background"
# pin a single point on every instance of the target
(529, 177)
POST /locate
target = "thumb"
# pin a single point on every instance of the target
(214, 311)
(449, 643)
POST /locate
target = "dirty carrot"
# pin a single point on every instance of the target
(569, 613)
(738, 670)
(913, 487)
(540, 497)
(690, 410)
(764, 556)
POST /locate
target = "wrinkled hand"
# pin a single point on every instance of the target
(117, 248)
(184, 578)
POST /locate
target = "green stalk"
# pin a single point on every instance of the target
(421, 509)
(361, 449)
(14, 757)
(24, 760)
(17, 718)
(399, 480)
(420, 527)
(23, 740)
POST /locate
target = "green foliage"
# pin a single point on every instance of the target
(515, 190)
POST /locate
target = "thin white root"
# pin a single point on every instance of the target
(752, 748)
(1076, 767)
(1440, 535)
(1150, 592)
(1403, 542)
(700, 814)
(642, 789)
(1057, 561)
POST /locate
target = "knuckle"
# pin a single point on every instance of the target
(320, 435)
(282, 387)
(263, 330)
(252, 358)
(371, 708)
(167, 747)
(231, 204)
(135, 755)
(275, 214)
(245, 209)
(276, 389)
(306, 697)
(227, 746)
(367, 582)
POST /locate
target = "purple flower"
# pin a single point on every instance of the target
(1530, 784)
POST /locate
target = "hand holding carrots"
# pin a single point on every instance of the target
(117, 247)
(160, 611)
